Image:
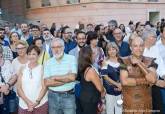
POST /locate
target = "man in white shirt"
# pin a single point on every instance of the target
(161, 46)
(151, 50)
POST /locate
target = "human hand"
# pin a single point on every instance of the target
(119, 87)
(30, 105)
(35, 104)
(103, 93)
(149, 78)
(4, 89)
(160, 83)
(134, 60)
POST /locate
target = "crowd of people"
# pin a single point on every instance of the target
(95, 69)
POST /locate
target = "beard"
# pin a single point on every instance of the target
(81, 46)
(46, 38)
(57, 56)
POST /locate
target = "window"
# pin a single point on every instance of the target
(45, 3)
(27, 3)
(72, 1)
(125, 0)
(152, 0)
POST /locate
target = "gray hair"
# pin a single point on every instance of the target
(149, 32)
(59, 40)
(113, 22)
(111, 45)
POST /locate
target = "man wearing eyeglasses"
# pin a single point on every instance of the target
(60, 74)
(67, 37)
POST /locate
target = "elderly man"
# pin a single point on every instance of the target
(60, 73)
(151, 50)
(137, 74)
(161, 46)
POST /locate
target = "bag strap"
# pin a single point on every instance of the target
(2, 78)
(43, 58)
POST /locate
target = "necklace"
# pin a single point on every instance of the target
(30, 73)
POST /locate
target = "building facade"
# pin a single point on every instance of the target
(71, 12)
(12, 10)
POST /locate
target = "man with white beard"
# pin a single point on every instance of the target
(59, 74)
(47, 38)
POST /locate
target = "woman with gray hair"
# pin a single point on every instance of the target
(111, 79)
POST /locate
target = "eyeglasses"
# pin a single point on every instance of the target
(67, 32)
(56, 47)
(21, 48)
(117, 33)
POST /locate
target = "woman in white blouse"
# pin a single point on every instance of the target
(31, 88)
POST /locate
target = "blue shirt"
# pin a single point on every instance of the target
(54, 68)
(112, 73)
(69, 46)
(124, 49)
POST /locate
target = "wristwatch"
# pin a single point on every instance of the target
(38, 101)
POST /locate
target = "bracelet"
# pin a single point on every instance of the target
(38, 101)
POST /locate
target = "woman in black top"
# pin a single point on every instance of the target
(92, 88)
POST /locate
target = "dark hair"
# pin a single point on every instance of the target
(91, 36)
(130, 22)
(46, 29)
(2, 29)
(85, 58)
(123, 29)
(97, 28)
(162, 27)
(33, 47)
(80, 32)
(89, 24)
(137, 24)
(11, 35)
(36, 39)
(63, 29)
(35, 27)
(162, 20)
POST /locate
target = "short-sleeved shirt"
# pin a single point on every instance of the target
(112, 71)
(53, 68)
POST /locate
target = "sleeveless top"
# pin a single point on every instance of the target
(32, 85)
(137, 97)
(89, 92)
